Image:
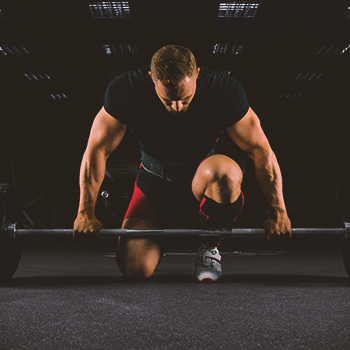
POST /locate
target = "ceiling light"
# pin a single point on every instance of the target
(238, 9)
(290, 95)
(55, 96)
(37, 76)
(109, 9)
(120, 49)
(347, 48)
(328, 49)
(346, 14)
(224, 72)
(228, 48)
(13, 50)
(307, 76)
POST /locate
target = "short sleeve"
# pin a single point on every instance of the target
(235, 102)
(117, 98)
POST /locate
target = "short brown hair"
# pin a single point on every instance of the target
(171, 64)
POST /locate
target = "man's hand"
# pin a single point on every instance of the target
(86, 224)
(278, 226)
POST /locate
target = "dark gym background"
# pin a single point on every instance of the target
(292, 58)
(57, 57)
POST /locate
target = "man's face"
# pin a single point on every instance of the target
(177, 99)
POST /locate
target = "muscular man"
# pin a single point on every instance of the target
(177, 112)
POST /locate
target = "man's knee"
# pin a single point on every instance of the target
(218, 168)
(137, 258)
(220, 176)
(135, 272)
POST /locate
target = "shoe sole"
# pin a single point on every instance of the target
(207, 280)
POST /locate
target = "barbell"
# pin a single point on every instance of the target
(11, 232)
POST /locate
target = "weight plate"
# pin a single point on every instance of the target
(10, 249)
(2, 211)
(346, 255)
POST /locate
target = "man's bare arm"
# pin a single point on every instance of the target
(106, 134)
(249, 136)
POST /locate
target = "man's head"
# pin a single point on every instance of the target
(174, 73)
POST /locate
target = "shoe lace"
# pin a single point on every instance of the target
(209, 249)
(206, 262)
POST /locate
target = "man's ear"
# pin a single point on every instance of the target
(150, 73)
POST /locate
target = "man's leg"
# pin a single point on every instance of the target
(137, 258)
(217, 187)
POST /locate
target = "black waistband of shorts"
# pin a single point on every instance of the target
(169, 171)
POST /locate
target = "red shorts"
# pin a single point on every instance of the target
(141, 208)
(162, 203)
(165, 204)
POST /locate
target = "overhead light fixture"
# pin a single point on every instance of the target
(346, 14)
(347, 48)
(109, 9)
(37, 76)
(241, 9)
(121, 49)
(290, 95)
(307, 76)
(224, 72)
(228, 49)
(2, 14)
(335, 49)
(55, 96)
(13, 50)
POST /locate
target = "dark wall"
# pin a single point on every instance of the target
(48, 136)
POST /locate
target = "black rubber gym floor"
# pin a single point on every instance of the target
(69, 296)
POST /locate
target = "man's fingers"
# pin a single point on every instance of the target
(85, 233)
(279, 235)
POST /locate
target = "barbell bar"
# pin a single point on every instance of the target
(11, 249)
(14, 232)
(10, 235)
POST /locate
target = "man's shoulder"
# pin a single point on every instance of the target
(132, 79)
(141, 74)
(123, 91)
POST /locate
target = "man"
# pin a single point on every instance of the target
(180, 177)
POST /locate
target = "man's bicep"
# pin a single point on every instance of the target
(106, 133)
(248, 134)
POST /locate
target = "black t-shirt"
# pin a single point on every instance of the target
(219, 102)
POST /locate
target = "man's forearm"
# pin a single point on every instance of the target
(269, 176)
(92, 173)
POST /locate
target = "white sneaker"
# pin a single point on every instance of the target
(208, 264)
